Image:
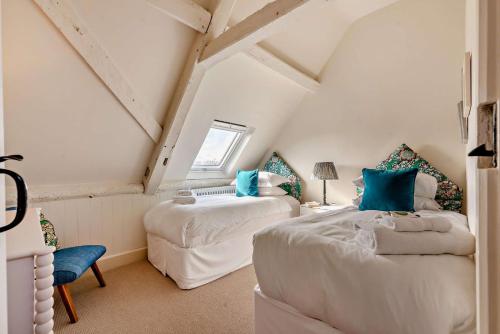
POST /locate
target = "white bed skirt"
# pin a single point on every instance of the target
(192, 267)
(274, 317)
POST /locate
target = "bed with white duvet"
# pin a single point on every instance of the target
(198, 243)
(345, 272)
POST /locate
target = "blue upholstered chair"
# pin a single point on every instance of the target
(69, 264)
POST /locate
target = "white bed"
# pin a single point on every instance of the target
(313, 268)
(196, 244)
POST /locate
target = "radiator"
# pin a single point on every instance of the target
(224, 190)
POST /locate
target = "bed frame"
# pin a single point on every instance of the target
(272, 316)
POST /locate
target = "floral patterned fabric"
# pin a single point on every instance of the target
(278, 166)
(49, 232)
(449, 195)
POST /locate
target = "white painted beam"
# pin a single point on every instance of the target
(182, 100)
(72, 191)
(185, 11)
(255, 28)
(64, 17)
(222, 15)
(177, 112)
(278, 65)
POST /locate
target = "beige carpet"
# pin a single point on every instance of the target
(138, 299)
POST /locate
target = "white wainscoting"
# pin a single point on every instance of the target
(113, 221)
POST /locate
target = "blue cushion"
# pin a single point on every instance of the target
(247, 183)
(389, 190)
(70, 263)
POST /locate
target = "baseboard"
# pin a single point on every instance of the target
(119, 260)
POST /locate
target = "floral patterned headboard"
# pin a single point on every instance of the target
(449, 195)
(277, 165)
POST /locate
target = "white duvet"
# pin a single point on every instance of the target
(216, 218)
(320, 269)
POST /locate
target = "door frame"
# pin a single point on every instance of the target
(3, 248)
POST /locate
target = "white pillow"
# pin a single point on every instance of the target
(425, 185)
(419, 203)
(268, 179)
(271, 191)
(422, 203)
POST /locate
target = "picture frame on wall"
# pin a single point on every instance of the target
(467, 85)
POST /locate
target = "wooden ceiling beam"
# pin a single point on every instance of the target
(185, 11)
(192, 14)
(255, 28)
(278, 65)
(183, 98)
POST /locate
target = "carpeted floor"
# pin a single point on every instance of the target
(138, 299)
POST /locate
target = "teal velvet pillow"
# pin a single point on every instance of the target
(247, 183)
(387, 190)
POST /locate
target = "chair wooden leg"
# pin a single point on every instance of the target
(98, 274)
(68, 302)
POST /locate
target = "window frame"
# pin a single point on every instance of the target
(229, 155)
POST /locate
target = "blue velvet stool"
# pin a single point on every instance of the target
(69, 264)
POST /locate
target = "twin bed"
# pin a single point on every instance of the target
(316, 275)
(196, 244)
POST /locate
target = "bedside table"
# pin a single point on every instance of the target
(304, 210)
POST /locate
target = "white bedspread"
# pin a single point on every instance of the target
(216, 218)
(319, 269)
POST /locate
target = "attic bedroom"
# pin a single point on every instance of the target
(249, 166)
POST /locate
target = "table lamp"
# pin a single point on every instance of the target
(325, 171)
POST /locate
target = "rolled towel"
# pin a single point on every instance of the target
(184, 193)
(417, 224)
(184, 199)
(383, 240)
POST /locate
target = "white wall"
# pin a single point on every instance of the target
(394, 78)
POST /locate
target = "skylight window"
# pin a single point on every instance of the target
(219, 146)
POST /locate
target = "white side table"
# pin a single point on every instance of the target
(304, 210)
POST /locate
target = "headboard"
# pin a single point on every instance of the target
(277, 165)
(449, 195)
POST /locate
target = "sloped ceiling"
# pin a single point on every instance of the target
(71, 128)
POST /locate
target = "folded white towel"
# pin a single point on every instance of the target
(417, 224)
(184, 199)
(385, 241)
(184, 193)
